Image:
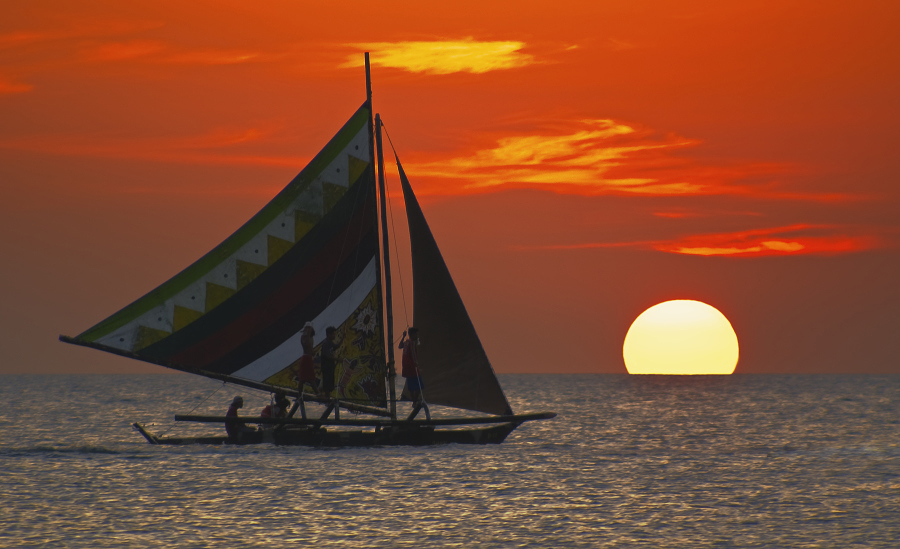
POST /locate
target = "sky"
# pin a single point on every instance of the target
(578, 162)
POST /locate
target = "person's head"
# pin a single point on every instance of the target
(308, 329)
(329, 332)
(413, 332)
(238, 402)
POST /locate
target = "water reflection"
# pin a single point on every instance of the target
(668, 462)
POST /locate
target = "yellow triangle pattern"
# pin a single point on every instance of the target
(247, 271)
(357, 167)
(184, 316)
(331, 193)
(303, 223)
(277, 248)
(216, 294)
(147, 336)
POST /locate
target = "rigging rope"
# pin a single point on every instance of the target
(172, 425)
(394, 230)
(419, 374)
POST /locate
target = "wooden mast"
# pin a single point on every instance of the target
(388, 304)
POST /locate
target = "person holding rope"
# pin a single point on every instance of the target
(410, 364)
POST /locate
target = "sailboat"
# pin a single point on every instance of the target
(314, 255)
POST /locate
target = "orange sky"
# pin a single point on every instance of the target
(578, 162)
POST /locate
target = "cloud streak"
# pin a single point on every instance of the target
(579, 162)
(798, 239)
(607, 157)
(443, 56)
(218, 146)
(789, 240)
(160, 53)
(10, 87)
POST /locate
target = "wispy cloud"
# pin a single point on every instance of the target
(122, 51)
(608, 157)
(798, 239)
(89, 29)
(100, 43)
(620, 45)
(444, 56)
(8, 86)
(211, 57)
(218, 146)
(578, 162)
(790, 240)
(160, 53)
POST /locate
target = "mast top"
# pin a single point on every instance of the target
(368, 81)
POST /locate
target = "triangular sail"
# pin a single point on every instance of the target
(454, 366)
(311, 254)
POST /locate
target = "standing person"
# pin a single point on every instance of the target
(410, 364)
(329, 362)
(306, 368)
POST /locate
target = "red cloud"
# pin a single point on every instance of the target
(8, 86)
(605, 157)
(791, 240)
(800, 239)
(217, 146)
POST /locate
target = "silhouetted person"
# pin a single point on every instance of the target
(329, 362)
(410, 364)
(233, 426)
(306, 368)
(277, 409)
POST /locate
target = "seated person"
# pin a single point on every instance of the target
(233, 426)
(278, 409)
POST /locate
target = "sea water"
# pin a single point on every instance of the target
(654, 461)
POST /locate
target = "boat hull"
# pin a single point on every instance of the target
(322, 437)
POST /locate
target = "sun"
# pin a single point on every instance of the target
(681, 337)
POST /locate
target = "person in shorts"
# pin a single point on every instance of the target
(410, 364)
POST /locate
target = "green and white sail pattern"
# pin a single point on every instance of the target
(314, 242)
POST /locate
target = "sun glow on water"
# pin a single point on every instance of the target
(681, 337)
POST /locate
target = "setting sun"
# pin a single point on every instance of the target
(681, 337)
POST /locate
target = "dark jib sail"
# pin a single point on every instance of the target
(311, 254)
(453, 363)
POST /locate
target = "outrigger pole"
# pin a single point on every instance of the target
(388, 304)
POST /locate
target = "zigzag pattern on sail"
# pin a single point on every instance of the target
(310, 254)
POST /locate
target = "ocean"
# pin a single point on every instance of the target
(652, 461)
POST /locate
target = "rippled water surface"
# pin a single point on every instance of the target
(768, 461)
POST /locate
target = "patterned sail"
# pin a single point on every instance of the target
(311, 254)
(453, 364)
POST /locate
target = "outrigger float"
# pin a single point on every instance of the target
(315, 254)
